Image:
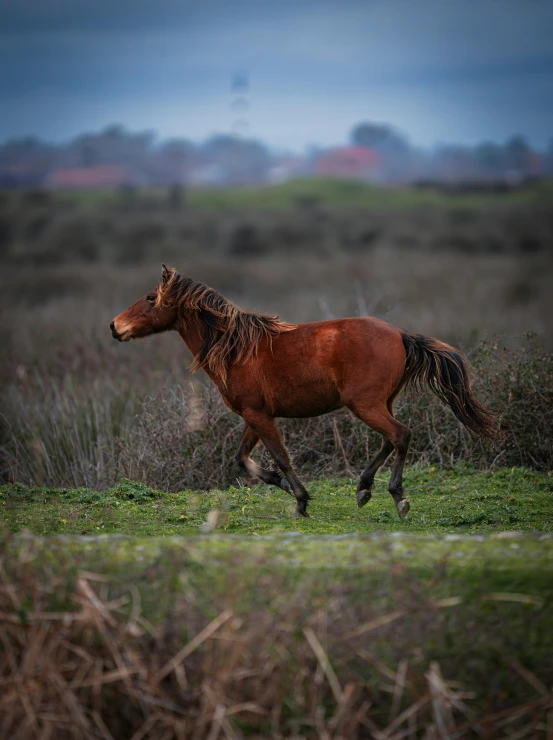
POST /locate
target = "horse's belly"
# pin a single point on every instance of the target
(306, 402)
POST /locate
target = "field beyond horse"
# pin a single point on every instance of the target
(456, 500)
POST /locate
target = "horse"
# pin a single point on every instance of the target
(265, 368)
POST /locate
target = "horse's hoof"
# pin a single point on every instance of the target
(403, 508)
(300, 515)
(363, 497)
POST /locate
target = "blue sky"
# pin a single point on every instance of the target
(439, 70)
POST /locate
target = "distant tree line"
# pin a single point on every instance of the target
(139, 159)
(513, 160)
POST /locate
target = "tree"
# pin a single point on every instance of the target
(242, 160)
(548, 159)
(180, 150)
(517, 155)
(26, 161)
(378, 136)
(489, 158)
(392, 146)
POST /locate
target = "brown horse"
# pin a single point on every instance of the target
(265, 368)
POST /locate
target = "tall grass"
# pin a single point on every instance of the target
(79, 409)
(65, 434)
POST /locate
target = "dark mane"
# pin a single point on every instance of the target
(231, 335)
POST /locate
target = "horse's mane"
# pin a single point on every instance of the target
(230, 335)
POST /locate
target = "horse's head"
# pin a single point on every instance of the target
(157, 311)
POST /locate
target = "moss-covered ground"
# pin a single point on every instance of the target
(456, 501)
(465, 580)
(478, 605)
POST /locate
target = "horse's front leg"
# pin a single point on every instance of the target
(248, 442)
(264, 427)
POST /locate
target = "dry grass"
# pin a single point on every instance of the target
(76, 406)
(78, 656)
(78, 659)
(62, 433)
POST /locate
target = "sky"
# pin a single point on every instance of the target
(440, 71)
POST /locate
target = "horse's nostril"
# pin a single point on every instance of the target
(112, 326)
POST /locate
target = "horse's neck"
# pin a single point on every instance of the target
(191, 332)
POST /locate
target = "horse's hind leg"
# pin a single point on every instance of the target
(247, 443)
(396, 436)
(366, 480)
(265, 428)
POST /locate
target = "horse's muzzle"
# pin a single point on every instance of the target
(114, 332)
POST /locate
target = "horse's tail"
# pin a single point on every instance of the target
(443, 370)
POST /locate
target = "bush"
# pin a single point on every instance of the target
(516, 384)
(245, 241)
(63, 435)
(135, 226)
(180, 438)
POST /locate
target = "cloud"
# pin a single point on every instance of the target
(140, 57)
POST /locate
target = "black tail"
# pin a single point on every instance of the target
(442, 369)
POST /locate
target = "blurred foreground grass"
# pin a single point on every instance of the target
(350, 624)
(406, 632)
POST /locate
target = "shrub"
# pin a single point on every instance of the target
(180, 438)
(245, 241)
(516, 384)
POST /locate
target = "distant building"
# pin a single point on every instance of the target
(102, 176)
(350, 162)
(285, 168)
(536, 164)
(207, 174)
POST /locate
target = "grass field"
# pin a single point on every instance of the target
(146, 592)
(326, 192)
(275, 629)
(351, 624)
(461, 500)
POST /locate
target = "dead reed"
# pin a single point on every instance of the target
(78, 659)
(68, 434)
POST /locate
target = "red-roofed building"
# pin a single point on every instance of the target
(351, 162)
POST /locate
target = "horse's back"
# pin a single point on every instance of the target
(342, 340)
(321, 366)
(368, 356)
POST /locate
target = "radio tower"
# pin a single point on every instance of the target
(240, 103)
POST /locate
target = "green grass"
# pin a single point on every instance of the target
(224, 567)
(456, 501)
(471, 603)
(478, 605)
(330, 192)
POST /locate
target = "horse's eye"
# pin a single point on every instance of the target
(151, 298)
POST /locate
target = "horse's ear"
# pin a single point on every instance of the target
(168, 274)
